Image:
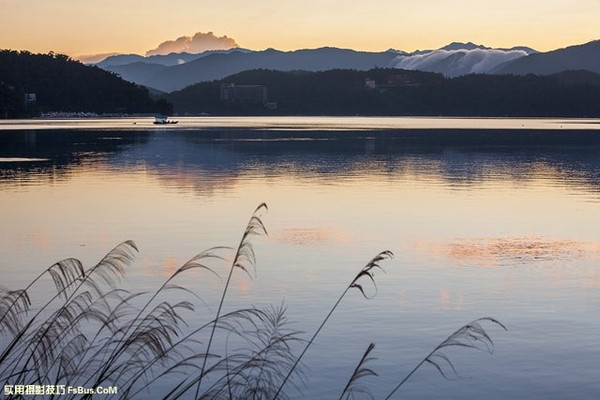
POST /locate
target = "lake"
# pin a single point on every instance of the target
(486, 218)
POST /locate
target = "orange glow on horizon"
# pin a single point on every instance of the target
(125, 27)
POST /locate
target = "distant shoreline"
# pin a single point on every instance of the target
(307, 122)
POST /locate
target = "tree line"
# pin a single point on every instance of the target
(384, 91)
(34, 83)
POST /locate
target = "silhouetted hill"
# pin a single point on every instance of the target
(57, 83)
(136, 72)
(582, 57)
(462, 46)
(472, 46)
(581, 77)
(175, 71)
(178, 70)
(399, 92)
(218, 66)
(162, 59)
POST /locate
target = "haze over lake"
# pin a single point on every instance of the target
(486, 217)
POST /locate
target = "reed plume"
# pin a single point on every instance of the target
(361, 371)
(244, 259)
(367, 272)
(471, 335)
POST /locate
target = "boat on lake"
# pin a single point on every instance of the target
(163, 120)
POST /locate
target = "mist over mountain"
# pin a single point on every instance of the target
(174, 71)
(166, 60)
(458, 59)
(93, 58)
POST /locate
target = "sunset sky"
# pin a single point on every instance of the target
(78, 27)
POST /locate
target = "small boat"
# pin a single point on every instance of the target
(163, 120)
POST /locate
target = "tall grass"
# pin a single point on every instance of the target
(244, 258)
(471, 335)
(367, 272)
(92, 332)
(361, 371)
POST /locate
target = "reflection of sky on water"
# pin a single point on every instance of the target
(302, 123)
(308, 236)
(527, 215)
(509, 251)
(202, 161)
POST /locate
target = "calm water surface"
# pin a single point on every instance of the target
(495, 218)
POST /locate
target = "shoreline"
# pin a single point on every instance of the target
(305, 123)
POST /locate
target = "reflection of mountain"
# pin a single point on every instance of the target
(462, 158)
(203, 161)
(51, 152)
(211, 160)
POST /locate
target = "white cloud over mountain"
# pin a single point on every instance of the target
(194, 44)
(93, 58)
(457, 62)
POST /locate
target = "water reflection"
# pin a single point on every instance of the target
(305, 236)
(204, 161)
(485, 226)
(509, 251)
(49, 156)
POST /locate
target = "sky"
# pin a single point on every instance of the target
(78, 27)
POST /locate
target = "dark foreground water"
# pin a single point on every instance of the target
(501, 219)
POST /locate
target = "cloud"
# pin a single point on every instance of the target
(457, 62)
(195, 44)
(93, 58)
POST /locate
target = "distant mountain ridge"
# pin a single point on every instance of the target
(177, 70)
(165, 60)
(473, 46)
(581, 57)
(218, 65)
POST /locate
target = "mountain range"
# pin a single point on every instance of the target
(582, 57)
(175, 71)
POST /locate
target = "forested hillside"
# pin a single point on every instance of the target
(55, 82)
(399, 92)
